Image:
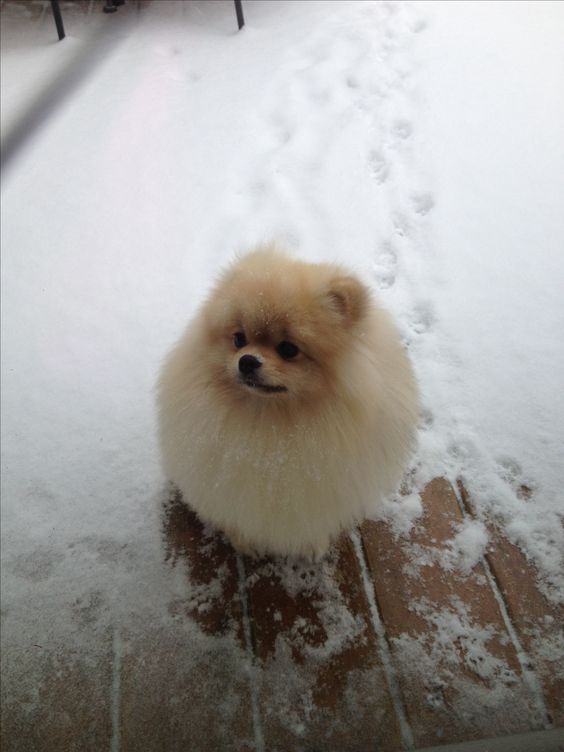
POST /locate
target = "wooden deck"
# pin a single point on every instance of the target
(359, 652)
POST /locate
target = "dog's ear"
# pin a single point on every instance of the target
(349, 297)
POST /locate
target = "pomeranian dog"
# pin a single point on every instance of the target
(288, 408)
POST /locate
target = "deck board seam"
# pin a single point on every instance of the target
(249, 649)
(526, 663)
(383, 647)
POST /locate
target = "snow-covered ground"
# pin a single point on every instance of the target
(420, 143)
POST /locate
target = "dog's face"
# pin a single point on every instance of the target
(277, 328)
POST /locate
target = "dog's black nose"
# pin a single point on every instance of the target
(248, 364)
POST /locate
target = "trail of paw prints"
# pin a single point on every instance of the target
(338, 70)
(393, 124)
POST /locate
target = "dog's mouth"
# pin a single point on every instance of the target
(266, 388)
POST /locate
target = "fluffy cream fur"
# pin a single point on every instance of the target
(284, 458)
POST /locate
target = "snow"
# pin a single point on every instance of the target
(494, 138)
(461, 553)
(421, 144)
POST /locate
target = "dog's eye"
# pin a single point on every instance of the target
(287, 350)
(239, 340)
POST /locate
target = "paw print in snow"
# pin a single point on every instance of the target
(385, 267)
(423, 317)
(422, 203)
(379, 166)
(402, 128)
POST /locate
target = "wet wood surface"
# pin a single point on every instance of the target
(385, 644)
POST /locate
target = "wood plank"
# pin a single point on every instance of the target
(538, 622)
(183, 690)
(185, 683)
(319, 680)
(56, 699)
(212, 599)
(458, 670)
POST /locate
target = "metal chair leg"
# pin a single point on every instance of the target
(58, 18)
(239, 12)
